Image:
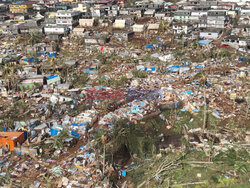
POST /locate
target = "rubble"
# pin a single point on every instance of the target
(71, 73)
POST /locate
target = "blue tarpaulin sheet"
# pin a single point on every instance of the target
(102, 87)
(52, 76)
(25, 135)
(241, 59)
(78, 125)
(149, 45)
(198, 67)
(52, 54)
(30, 60)
(75, 134)
(91, 71)
(134, 111)
(174, 68)
(204, 42)
(124, 173)
(189, 92)
(142, 103)
(87, 87)
(208, 84)
(53, 132)
(175, 104)
(196, 111)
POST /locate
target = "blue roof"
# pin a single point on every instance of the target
(18, 2)
(87, 87)
(52, 76)
(204, 42)
(90, 71)
(199, 67)
(149, 45)
(78, 125)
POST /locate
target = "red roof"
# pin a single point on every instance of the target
(225, 4)
(104, 1)
(10, 15)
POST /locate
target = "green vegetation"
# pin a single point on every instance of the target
(177, 168)
(134, 137)
(193, 169)
(114, 83)
(139, 74)
(80, 80)
(30, 39)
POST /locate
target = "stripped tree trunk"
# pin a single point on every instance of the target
(103, 170)
(205, 110)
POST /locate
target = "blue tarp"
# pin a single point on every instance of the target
(196, 111)
(25, 135)
(198, 67)
(204, 42)
(189, 92)
(142, 103)
(101, 87)
(124, 173)
(75, 134)
(208, 84)
(52, 54)
(174, 68)
(30, 60)
(149, 46)
(90, 71)
(54, 132)
(241, 59)
(52, 76)
(175, 104)
(78, 125)
(87, 87)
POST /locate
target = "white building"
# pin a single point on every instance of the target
(67, 18)
(87, 22)
(119, 24)
(55, 30)
(210, 34)
(138, 28)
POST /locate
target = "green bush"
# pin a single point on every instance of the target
(139, 74)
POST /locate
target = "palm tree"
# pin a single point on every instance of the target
(203, 81)
(34, 38)
(101, 139)
(6, 74)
